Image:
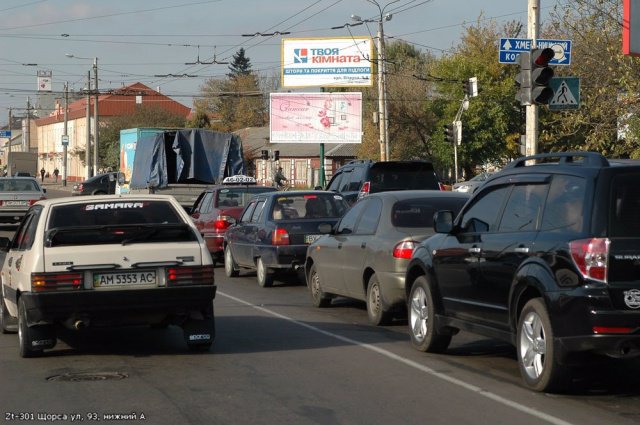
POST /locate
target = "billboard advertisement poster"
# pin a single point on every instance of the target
(316, 117)
(327, 62)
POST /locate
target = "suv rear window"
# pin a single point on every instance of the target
(625, 208)
(402, 176)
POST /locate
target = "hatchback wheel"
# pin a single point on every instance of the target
(265, 278)
(376, 310)
(537, 354)
(422, 310)
(318, 297)
(230, 266)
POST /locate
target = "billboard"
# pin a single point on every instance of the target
(327, 62)
(316, 117)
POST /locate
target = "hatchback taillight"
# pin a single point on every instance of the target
(56, 281)
(404, 249)
(198, 275)
(280, 237)
(591, 257)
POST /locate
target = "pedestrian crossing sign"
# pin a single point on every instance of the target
(566, 93)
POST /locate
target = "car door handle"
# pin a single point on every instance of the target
(522, 249)
(474, 250)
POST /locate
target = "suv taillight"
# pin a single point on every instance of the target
(56, 281)
(404, 249)
(280, 237)
(197, 275)
(591, 257)
(364, 190)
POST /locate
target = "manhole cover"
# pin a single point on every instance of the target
(89, 376)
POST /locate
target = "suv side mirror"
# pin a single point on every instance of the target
(443, 221)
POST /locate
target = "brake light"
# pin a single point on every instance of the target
(591, 257)
(364, 190)
(404, 249)
(280, 237)
(197, 275)
(441, 186)
(56, 281)
(222, 223)
(80, 187)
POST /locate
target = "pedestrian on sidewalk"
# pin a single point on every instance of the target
(55, 175)
(42, 173)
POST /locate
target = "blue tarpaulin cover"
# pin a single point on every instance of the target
(191, 156)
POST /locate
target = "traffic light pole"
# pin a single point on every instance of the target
(531, 120)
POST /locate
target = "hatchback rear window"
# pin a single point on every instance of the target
(402, 176)
(308, 206)
(113, 212)
(419, 212)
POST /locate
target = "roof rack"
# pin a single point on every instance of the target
(584, 159)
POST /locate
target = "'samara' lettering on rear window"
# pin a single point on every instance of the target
(114, 206)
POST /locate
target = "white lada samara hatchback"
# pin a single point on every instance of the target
(106, 261)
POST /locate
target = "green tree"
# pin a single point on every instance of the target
(143, 116)
(238, 100)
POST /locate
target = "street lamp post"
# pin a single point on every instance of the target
(92, 170)
(383, 119)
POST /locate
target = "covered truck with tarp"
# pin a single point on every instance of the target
(178, 162)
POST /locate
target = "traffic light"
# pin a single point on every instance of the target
(534, 77)
(276, 155)
(470, 87)
(264, 154)
(449, 133)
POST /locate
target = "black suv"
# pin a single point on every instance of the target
(360, 177)
(546, 256)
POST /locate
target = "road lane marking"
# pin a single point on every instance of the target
(473, 388)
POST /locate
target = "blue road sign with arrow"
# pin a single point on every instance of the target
(510, 49)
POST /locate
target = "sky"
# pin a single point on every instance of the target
(152, 41)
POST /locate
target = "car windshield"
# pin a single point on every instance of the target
(116, 222)
(239, 196)
(18, 185)
(303, 206)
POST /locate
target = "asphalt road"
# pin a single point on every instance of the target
(278, 360)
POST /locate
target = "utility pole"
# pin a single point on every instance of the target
(9, 158)
(66, 134)
(87, 153)
(26, 137)
(382, 117)
(95, 117)
(531, 120)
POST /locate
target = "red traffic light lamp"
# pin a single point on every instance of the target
(534, 77)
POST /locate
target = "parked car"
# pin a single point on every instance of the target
(275, 229)
(217, 207)
(17, 194)
(358, 178)
(472, 184)
(105, 261)
(100, 184)
(544, 256)
(366, 254)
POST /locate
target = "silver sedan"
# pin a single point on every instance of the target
(366, 254)
(17, 194)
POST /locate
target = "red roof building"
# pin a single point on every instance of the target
(118, 102)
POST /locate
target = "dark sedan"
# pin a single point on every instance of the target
(100, 184)
(366, 256)
(217, 207)
(276, 228)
